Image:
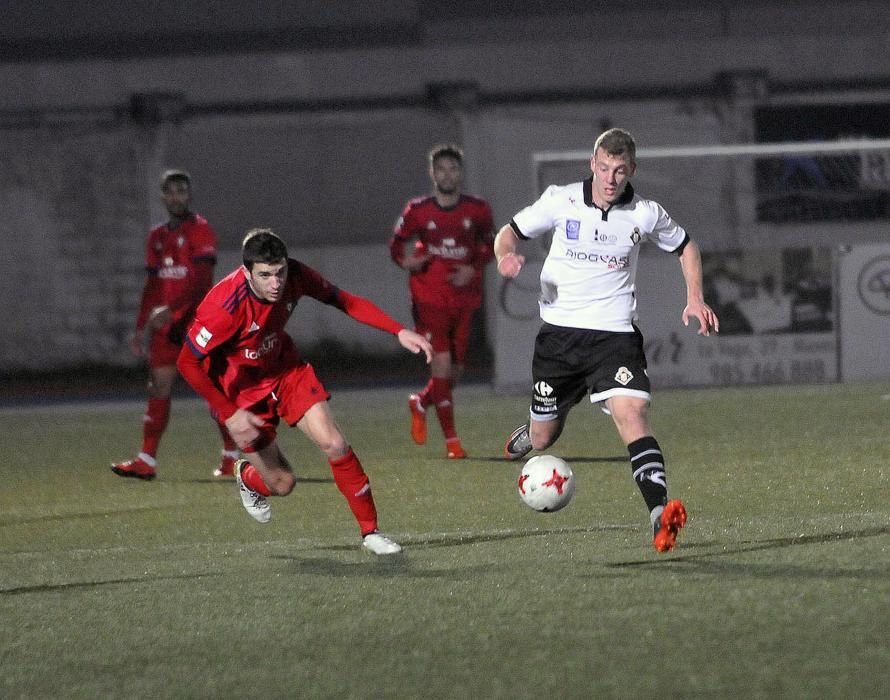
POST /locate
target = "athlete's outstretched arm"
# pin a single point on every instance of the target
(690, 263)
(367, 312)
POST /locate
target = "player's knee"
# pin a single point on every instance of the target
(282, 483)
(334, 446)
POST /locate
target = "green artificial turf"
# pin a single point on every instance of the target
(779, 586)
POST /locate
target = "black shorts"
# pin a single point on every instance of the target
(570, 363)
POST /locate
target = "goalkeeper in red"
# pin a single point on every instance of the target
(238, 356)
(444, 240)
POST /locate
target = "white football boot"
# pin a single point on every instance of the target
(380, 544)
(254, 503)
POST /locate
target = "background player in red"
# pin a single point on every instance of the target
(444, 241)
(239, 357)
(179, 259)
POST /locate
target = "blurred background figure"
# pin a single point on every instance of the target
(179, 259)
(444, 240)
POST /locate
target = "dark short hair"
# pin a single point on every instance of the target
(174, 175)
(617, 142)
(261, 245)
(446, 150)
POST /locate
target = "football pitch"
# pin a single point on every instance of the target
(779, 586)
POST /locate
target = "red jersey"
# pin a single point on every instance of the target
(241, 342)
(461, 234)
(180, 264)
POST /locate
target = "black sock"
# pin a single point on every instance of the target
(647, 467)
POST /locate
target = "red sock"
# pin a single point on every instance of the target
(229, 445)
(154, 422)
(252, 480)
(441, 395)
(356, 488)
(426, 394)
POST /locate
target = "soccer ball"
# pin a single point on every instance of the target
(546, 483)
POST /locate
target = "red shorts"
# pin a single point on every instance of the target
(298, 391)
(447, 328)
(162, 352)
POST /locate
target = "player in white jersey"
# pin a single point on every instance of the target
(588, 343)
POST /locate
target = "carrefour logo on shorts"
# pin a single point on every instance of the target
(204, 337)
(573, 229)
(543, 388)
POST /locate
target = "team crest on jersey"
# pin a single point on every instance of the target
(623, 376)
(636, 236)
(289, 306)
(573, 229)
(431, 226)
(468, 223)
(180, 241)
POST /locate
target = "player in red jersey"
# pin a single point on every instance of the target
(444, 241)
(179, 259)
(238, 356)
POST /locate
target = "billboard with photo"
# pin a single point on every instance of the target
(776, 311)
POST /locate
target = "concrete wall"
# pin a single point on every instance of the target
(326, 143)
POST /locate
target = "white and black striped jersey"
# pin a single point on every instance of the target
(588, 278)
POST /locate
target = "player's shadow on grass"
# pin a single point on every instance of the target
(573, 460)
(87, 585)
(391, 565)
(714, 562)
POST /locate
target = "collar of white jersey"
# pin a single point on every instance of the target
(625, 197)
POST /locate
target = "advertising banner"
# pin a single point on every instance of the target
(864, 281)
(776, 311)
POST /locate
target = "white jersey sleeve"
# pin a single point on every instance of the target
(539, 218)
(664, 231)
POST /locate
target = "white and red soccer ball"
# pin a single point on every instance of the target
(546, 483)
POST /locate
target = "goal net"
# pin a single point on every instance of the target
(810, 182)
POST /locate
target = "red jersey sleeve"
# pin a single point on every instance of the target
(367, 312)
(193, 371)
(485, 239)
(152, 290)
(403, 231)
(212, 327)
(361, 309)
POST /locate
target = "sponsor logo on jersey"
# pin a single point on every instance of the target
(268, 344)
(449, 250)
(203, 337)
(173, 272)
(573, 229)
(605, 238)
(613, 262)
(623, 376)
